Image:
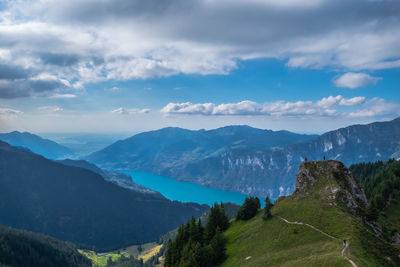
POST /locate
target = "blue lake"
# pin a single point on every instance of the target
(185, 191)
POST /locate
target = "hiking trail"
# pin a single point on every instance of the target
(326, 234)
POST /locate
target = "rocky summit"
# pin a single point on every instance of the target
(333, 182)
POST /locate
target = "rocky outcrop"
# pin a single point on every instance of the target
(332, 182)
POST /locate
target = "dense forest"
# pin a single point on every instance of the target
(196, 245)
(23, 248)
(381, 183)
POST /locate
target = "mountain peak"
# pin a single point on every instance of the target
(331, 182)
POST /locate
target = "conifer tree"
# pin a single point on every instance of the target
(267, 208)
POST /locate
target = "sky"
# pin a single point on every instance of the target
(106, 66)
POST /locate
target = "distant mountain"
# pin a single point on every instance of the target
(167, 149)
(245, 159)
(23, 248)
(78, 205)
(118, 178)
(36, 144)
(171, 151)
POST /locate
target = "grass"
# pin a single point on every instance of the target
(275, 243)
(100, 259)
(147, 254)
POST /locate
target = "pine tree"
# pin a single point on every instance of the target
(249, 208)
(217, 218)
(169, 254)
(218, 248)
(267, 208)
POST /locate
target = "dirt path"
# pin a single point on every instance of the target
(344, 256)
(326, 234)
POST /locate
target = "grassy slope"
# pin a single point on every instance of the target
(149, 250)
(275, 243)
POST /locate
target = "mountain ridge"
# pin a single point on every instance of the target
(249, 167)
(36, 144)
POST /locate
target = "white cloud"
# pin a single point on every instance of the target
(376, 107)
(330, 101)
(115, 88)
(50, 108)
(10, 111)
(327, 106)
(354, 80)
(125, 111)
(60, 96)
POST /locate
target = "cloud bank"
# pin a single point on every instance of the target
(324, 107)
(90, 41)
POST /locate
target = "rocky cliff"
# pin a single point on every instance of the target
(333, 182)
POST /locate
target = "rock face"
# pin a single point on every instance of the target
(244, 159)
(333, 182)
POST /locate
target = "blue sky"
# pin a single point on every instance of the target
(126, 66)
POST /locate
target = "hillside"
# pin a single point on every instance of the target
(36, 144)
(23, 248)
(78, 205)
(252, 165)
(381, 181)
(308, 227)
(118, 178)
(178, 153)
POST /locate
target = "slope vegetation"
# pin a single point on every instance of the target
(78, 205)
(381, 181)
(22, 248)
(308, 227)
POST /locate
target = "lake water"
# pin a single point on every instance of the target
(185, 191)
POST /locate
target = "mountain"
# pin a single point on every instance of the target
(254, 164)
(78, 205)
(177, 152)
(23, 248)
(118, 178)
(308, 227)
(36, 144)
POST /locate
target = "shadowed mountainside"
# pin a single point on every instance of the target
(78, 205)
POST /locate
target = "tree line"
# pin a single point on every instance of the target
(196, 245)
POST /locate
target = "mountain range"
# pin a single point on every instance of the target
(78, 205)
(37, 144)
(244, 159)
(177, 152)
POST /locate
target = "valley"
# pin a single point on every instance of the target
(185, 191)
(310, 218)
